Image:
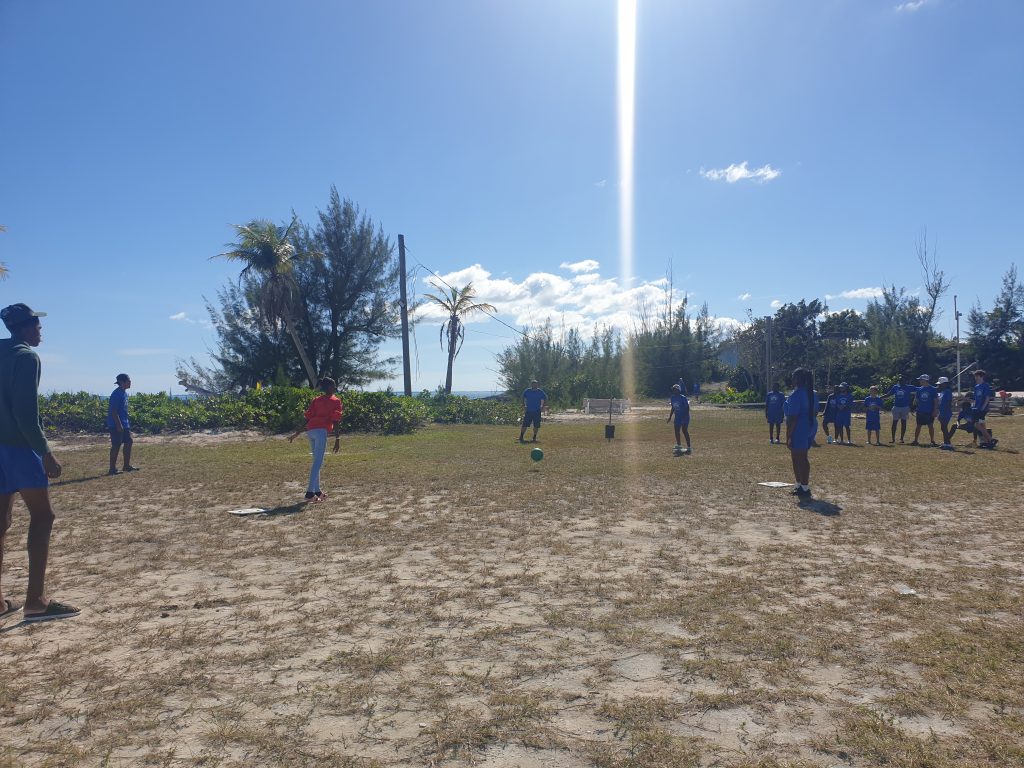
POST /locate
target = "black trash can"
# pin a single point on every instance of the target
(609, 431)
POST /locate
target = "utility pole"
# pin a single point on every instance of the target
(956, 314)
(768, 353)
(404, 305)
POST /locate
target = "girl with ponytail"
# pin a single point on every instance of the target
(801, 419)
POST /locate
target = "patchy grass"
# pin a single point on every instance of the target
(454, 603)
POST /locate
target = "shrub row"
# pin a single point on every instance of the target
(274, 409)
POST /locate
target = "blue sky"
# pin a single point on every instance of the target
(786, 149)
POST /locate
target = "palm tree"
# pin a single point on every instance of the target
(457, 302)
(269, 256)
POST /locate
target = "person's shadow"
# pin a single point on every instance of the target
(78, 480)
(289, 509)
(823, 508)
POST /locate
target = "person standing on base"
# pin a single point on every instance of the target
(118, 425)
(322, 415)
(534, 399)
(26, 463)
(774, 412)
(801, 413)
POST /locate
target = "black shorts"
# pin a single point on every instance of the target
(117, 439)
(977, 414)
(531, 417)
(924, 419)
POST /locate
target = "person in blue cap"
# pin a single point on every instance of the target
(26, 462)
(119, 426)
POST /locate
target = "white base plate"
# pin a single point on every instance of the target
(247, 511)
(776, 484)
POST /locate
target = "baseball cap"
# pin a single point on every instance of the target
(942, 380)
(122, 377)
(676, 386)
(17, 315)
(924, 377)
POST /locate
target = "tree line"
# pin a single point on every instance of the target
(319, 300)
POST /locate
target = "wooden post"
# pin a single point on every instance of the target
(404, 305)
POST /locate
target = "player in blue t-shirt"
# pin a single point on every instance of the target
(901, 394)
(533, 403)
(926, 397)
(681, 414)
(982, 399)
(801, 415)
(844, 413)
(944, 408)
(774, 412)
(119, 426)
(873, 405)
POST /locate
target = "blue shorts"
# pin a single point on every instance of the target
(531, 417)
(683, 422)
(873, 421)
(776, 419)
(21, 467)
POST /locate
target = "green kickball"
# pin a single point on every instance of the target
(536, 454)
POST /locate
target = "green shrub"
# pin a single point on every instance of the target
(274, 409)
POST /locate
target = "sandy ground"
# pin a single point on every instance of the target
(548, 616)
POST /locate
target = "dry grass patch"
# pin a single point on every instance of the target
(453, 603)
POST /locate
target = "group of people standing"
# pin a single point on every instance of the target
(929, 403)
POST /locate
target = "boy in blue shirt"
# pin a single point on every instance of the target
(533, 403)
(926, 396)
(681, 411)
(979, 409)
(774, 403)
(873, 415)
(945, 411)
(118, 425)
(901, 394)
(844, 413)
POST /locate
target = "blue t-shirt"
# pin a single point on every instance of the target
(774, 406)
(844, 403)
(873, 404)
(926, 399)
(797, 407)
(680, 407)
(533, 398)
(119, 405)
(901, 395)
(830, 408)
(981, 392)
(945, 400)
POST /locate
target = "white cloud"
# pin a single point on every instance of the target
(727, 324)
(910, 6)
(584, 301)
(601, 184)
(587, 265)
(181, 317)
(743, 296)
(735, 173)
(145, 351)
(856, 293)
(775, 304)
